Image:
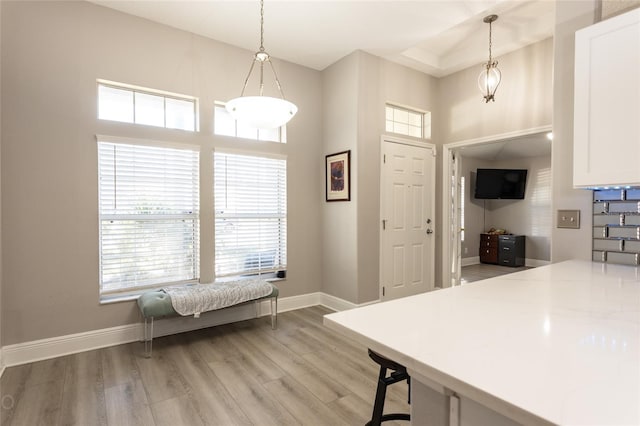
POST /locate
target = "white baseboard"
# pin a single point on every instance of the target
(468, 261)
(335, 303)
(298, 302)
(38, 350)
(23, 353)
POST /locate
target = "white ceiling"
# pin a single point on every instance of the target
(436, 37)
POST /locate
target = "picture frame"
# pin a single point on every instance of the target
(338, 176)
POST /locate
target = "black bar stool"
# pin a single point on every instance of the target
(398, 374)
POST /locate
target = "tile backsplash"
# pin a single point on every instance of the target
(616, 226)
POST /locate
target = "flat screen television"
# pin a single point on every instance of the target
(505, 184)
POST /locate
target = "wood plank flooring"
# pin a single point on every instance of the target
(482, 271)
(237, 374)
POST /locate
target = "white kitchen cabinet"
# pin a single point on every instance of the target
(607, 103)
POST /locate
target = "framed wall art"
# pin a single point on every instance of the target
(338, 175)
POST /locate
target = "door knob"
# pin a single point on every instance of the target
(429, 231)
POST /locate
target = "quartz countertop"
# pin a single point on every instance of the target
(559, 343)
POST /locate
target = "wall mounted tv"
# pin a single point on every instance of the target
(505, 184)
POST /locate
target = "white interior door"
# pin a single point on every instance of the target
(407, 213)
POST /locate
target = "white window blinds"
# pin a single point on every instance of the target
(250, 214)
(149, 216)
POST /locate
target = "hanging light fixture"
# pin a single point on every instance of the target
(489, 78)
(262, 112)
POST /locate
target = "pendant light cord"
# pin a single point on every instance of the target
(262, 56)
(490, 42)
(262, 25)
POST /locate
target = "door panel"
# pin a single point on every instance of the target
(407, 209)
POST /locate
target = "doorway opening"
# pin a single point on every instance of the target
(530, 217)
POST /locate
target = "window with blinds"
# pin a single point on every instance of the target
(250, 214)
(149, 216)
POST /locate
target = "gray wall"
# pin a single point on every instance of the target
(52, 53)
(568, 243)
(382, 82)
(340, 226)
(530, 217)
(358, 86)
(570, 17)
(523, 101)
(615, 7)
(355, 91)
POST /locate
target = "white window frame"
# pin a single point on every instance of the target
(392, 123)
(187, 271)
(263, 247)
(153, 92)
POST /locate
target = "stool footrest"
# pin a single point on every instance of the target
(398, 373)
(389, 417)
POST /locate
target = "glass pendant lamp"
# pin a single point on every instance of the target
(490, 77)
(262, 112)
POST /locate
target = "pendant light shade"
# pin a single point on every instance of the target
(489, 80)
(262, 112)
(490, 77)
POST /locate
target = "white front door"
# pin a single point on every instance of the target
(407, 214)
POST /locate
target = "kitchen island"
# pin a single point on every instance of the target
(557, 344)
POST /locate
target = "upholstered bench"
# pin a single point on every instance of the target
(158, 304)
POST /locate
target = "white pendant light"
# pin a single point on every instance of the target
(262, 112)
(490, 77)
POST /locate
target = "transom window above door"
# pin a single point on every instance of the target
(407, 121)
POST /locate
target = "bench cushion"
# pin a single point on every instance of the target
(157, 303)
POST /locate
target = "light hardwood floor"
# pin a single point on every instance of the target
(243, 373)
(482, 271)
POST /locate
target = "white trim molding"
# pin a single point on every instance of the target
(38, 350)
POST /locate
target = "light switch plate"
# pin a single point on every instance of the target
(568, 219)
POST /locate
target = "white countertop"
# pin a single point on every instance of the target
(560, 342)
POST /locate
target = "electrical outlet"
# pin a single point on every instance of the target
(568, 219)
(466, 250)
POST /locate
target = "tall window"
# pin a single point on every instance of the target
(226, 125)
(149, 216)
(129, 104)
(250, 214)
(407, 121)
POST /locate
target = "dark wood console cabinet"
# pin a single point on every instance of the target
(489, 248)
(506, 250)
